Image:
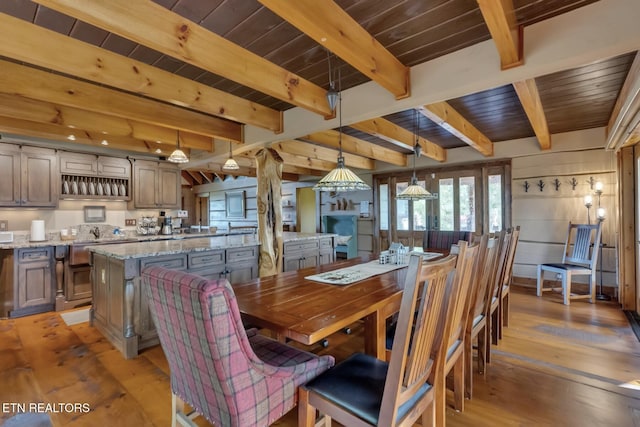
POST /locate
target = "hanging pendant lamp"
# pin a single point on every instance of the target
(414, 191)
(230, 164)
(341, 178)
(178, 155)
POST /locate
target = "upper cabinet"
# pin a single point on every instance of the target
(29, 176)
(91, 176)
(155, 185)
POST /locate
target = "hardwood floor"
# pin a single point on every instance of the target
(556, 366)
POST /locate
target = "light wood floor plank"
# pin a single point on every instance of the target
(556, 366)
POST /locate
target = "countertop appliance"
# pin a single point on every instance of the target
(166, 226)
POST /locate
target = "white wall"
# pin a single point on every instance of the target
(544, 215)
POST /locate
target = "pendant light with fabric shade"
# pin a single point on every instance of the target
(178, 155)
(230, 164)
(341, 178)
(415, 191)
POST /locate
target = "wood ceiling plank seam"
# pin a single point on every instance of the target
(169, 33)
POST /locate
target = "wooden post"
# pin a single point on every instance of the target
(269, 174)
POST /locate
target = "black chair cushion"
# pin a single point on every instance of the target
(357, 385)
(561, 266)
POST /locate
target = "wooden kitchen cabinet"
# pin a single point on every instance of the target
(117, 285)
(305, 253)
(114, 167)
(90, 165)
(29, 176)
(78, 164)
(33, 292)
(155, 185)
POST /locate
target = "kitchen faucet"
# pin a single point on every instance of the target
(96, 232)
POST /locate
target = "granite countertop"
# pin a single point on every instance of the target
(21, 240)
(174, 246)
(291, 236)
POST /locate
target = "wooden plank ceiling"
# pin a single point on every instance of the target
(135, 73)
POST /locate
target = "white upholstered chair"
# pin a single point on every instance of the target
(580, 258)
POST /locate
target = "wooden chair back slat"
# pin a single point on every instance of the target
(416, 348)
(505, 241)
(481, 301)
(508, 267)
(466, 276)
(580, 250)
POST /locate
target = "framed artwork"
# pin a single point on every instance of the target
(234, 201)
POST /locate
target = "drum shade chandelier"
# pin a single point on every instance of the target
(341, 178)
(178, 155)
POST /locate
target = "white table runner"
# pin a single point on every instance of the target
(355, 273)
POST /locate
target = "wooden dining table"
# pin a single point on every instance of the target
(307, 311)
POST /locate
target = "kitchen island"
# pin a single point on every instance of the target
(119, 310)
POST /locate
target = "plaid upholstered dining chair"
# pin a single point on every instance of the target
(230, 376)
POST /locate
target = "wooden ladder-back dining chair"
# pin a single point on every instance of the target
(496, 287)
(580, 257)
(507, 278)
(477, 324)
(466, 276)
(230, 376)
(365, 391)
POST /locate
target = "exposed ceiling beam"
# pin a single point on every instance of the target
(383, 128)
(41, 85)
(312, 151)
(31, 43)
(448, 118)
(216, 168)
(60, 133)
(358, 146)
(332, 27)
(527, 91)
(500, 17)
(76, 119)
(187, 177)
(296, 161)
(196, 177)
(207, 176)
(173, 35)
(624, 122)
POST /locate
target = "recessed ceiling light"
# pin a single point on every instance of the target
(158, 142)
(158, 150)
(71, 137)
(104, 142)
